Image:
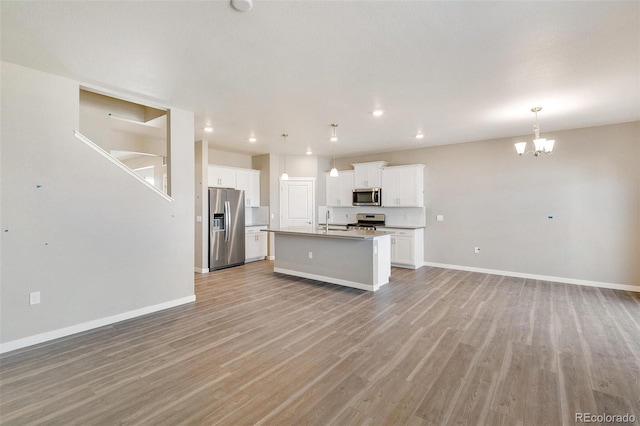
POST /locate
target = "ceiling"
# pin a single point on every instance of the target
(455, 71)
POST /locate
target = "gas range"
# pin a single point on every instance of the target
(367, 222)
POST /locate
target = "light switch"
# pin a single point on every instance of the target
(199, 219)
(440, 218)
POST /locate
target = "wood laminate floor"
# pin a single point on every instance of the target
(433, 347)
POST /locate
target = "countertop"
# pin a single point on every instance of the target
(383, 226)
(355, 234)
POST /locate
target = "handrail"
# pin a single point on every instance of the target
(120, 164)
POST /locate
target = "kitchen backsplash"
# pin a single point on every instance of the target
(394, 216)
(256, 216)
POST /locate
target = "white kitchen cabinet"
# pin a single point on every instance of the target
(402, 249)
(222, 177)
(255, 244)
(403, 186)
(340, 189)
(407, 247)
(249, 181)
(368, 175)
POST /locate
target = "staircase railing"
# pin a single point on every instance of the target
(119, 163)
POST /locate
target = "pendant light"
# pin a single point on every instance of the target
(334, 139)
(285, 176)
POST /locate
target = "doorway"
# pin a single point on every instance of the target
(297, 202)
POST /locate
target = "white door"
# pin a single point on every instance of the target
(296, 203)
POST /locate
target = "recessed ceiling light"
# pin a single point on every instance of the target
(419, 136)
(378, 113)
(252, 139)
(208, 129)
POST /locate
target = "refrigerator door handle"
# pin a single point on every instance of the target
(227, 220)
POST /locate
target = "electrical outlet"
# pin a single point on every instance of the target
(476, 250)
(34, 298)
(310, 255)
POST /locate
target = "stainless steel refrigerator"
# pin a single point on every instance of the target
(226, 228)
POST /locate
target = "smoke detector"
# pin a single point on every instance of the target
(242, 5)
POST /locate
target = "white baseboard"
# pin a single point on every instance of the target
(89, 325)
(200, 270)
(612, 286)
(271, 258)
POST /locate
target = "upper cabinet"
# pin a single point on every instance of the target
(403, 186)
(340, 189)
(368, 175)
(222, 177)
(249, 181)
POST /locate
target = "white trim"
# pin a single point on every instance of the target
(271, 258)
(89, 325)
(118, 163)
(612, 286)
(200, 270)
(327, 279)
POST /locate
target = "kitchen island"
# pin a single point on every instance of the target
(353, 258)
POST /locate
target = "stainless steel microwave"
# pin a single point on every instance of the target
(367, 197)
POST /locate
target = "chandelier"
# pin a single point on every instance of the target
(541, 145)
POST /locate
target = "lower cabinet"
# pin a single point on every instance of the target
(402, 251)
(255, 244)
(407, 247)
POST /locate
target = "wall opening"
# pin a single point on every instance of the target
(134, 134)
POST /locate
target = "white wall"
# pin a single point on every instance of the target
(96, 243)
(494, 199)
